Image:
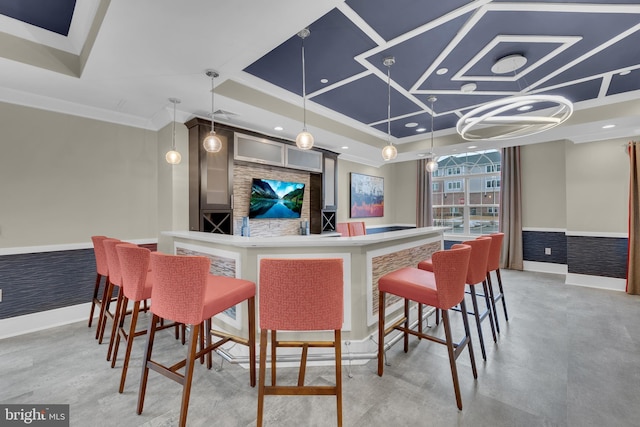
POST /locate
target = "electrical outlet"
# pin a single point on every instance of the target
(547, 251)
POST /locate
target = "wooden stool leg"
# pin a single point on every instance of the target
(188, 373)
(493, 302)
(106, 301)
(474, 301)
(252, 341)
(381, 303)
(406, 325)
(338, 347)
(504, 303)
(146, 361)
(273, 357)
(116, 320)
(95, 298)
(262, 375)
(485, 290)
(130, 337)
(452, 357)
(465, 322)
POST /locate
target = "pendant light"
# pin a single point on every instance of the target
(304, 140)
(389, 152)
(172, 156)
(503, 119)
(212, 143)
(432, 163)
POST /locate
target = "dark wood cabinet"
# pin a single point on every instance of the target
(210, 180)
(211, 183)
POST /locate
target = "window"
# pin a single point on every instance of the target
(469, 204)
(454, 171)
(454, 185)
(492, 183)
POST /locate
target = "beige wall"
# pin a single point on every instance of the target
(577, 187)
(399, 192)
(543, 185)
(64, 178)
(597, 187)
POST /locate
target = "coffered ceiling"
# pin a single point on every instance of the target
(121, 60)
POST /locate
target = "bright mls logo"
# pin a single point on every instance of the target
(37, 415)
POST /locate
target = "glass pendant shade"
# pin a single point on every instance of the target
(212, 144)
(173, 157)
(389, 152)
(304, 140)
(432, 165)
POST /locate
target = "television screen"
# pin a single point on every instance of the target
(275, 199)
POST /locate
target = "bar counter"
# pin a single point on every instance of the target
(366, 258)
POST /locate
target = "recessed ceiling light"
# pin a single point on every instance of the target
(608, 126)
(411, 125)
(625, 72)
(421, 129)
(324, 81)
(468, 87)
(525, 108)
(278, 128)
(345, 147)
(442, 71)
(471, 147)
(421, 154)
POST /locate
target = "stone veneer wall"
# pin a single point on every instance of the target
(243, 173)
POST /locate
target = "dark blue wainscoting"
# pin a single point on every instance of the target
(597, 256)
(44, 281)
(535, 242)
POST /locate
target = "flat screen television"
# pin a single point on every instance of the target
(272, 198)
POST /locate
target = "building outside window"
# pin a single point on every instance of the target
(466, 193)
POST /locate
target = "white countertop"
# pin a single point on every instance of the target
(304, 241)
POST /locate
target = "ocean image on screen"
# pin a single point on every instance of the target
(275, 199)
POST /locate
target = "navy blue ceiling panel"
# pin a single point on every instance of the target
(423, 121)
(51, 15)
(327, 56)
(366, 100)
(625, 83)
(415, 55)
(392, 19)
(574, 48)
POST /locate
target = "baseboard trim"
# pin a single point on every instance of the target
(544, 267)
(599, 282)
(27, 323)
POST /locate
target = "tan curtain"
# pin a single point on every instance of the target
(633, 257)
(511, 209)
(424, 214)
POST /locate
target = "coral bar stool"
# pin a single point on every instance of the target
(476, 274)
(113, 284)
(357, 228)
(102, 270)
(343, 229)
(185, 292)
(300, 295)
(136, 287)
(494, 265)
(444, 289)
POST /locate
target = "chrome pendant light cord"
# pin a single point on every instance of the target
(304, 91)
(389, 104)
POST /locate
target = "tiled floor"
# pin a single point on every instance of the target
(569, 356)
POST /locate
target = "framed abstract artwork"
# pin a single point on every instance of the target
(367, 196)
